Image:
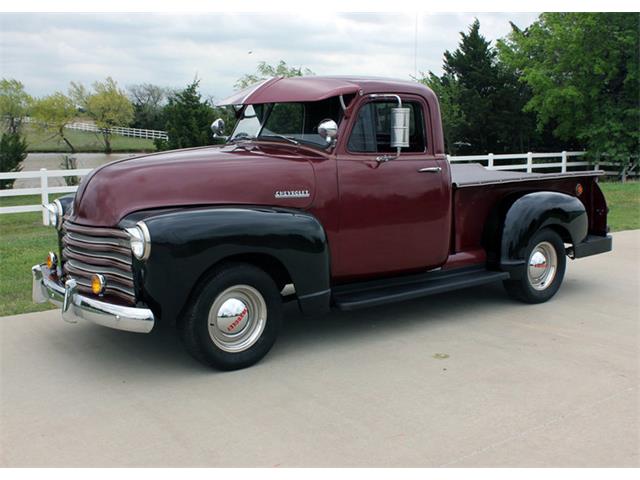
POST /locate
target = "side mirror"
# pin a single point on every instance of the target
(400, 127)
(217, 127)
(328, 129)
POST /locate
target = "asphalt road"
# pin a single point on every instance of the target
(463, 379)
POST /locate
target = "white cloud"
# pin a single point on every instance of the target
(47, 51)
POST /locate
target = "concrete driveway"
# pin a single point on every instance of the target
(468, 378)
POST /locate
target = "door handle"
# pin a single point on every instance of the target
(430, 170)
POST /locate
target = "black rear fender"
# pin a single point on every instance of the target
(534, 211)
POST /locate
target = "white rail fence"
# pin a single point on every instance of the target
(565, 161)
(124, 131)
(44, 190)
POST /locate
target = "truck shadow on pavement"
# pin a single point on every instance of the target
(161, 352)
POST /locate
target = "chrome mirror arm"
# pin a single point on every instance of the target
(386, 158)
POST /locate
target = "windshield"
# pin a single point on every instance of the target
(294, 122)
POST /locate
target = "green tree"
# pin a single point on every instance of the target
(14, 104)
(13, 150)
(54, 112)
(107, 105)
(448, 91)
(481, 99)
(264, 71)
(582, 70)
(187, 119)
(148, 102)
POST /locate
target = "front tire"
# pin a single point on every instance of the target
(541, 276)
(235, 319)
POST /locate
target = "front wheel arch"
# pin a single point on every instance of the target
(268, 264)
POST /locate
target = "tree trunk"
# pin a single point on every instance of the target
(106, 135)
(66, 140)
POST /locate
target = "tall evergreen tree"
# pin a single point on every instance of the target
(187, 119)
(481, 99)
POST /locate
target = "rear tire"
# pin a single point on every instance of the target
(542, 274)
(235, 319)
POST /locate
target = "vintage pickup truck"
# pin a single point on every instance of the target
(333, 192)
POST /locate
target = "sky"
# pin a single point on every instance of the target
(47, 51)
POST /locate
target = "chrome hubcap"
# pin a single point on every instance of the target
(237, 318)
(542, 267)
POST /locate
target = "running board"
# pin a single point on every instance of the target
(380, 292)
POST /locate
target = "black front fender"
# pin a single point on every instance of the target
(186, 244)
(533, 211)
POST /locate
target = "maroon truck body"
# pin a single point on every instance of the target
(380, 219)
(379, 222)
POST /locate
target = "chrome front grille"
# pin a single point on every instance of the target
(90, 250)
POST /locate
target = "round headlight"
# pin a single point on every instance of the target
(140, 241)
(55, 213)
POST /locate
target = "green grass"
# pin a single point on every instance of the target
(44, 141)
(623, 200)
(24, 241)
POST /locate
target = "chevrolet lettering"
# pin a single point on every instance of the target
(292, 194)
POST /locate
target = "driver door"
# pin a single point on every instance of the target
(394, 216)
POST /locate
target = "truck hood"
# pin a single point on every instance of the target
(230, 175)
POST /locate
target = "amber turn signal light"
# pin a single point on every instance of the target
(97, 284)
(579, 189)
(52, 261)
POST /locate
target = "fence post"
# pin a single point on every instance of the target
(529, 162)
(490, 160)
(44, 195)
(564, 162)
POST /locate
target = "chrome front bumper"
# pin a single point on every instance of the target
(75, 306)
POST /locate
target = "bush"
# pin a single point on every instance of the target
(13, 150)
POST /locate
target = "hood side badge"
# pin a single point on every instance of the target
(292, 194)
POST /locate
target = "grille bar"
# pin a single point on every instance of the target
(95, 240)
(96, 231)
(109, 259)
(95, 250)
(126, 278)
(93, 246)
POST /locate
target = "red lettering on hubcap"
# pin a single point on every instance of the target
(237, 320)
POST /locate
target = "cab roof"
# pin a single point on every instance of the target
(316, 88)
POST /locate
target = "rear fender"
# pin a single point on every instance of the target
(534, 211)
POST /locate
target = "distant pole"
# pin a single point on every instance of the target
(415, 48)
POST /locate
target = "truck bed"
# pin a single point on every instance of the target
(476, 191)
(474, 174)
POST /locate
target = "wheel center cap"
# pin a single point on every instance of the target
(232, 317)
(538, 263)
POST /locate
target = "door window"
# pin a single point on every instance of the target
(372, 130)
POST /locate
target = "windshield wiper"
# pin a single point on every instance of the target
(240, 138)
(275, 135)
